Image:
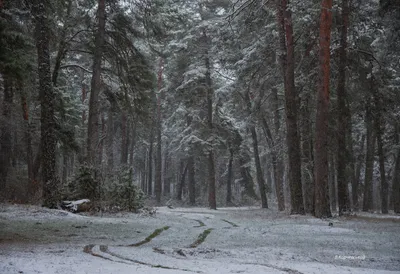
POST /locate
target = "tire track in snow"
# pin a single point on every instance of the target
(122, 259)
(284, 269)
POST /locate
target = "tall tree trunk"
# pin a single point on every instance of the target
(332, 179)
(229, 179)
(158, 182)
(132, 143)
(47, 101)
(307, 159)
(32, 184)
(260, 176)
(5, 137)
(62, 46)
(124, 139)
(246, 178)
(166, 178)
(322, 208)
(110, 142)
(342, 151)
(212, 202)
(379, 129)
(369, 160)
(93, 123)
(150, 165)
(99, 155)
(65, 162)
(276, 161)
(191, 180)
(396, 184)
(183, 169)
(291, 100)
(356, 176)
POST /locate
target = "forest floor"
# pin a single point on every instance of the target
(195, 240)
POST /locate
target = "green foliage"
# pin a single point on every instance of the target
(84, 185)
(122, 193)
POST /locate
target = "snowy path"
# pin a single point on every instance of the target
(245, 240)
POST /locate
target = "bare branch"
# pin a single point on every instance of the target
(75, 66)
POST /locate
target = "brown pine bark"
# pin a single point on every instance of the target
(93, 122)
(342, 151)
(322, 207)
(285, 27)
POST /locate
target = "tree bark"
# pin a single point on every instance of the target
(32, 184)
(379, 129)
(47, 101)
(181, 182)
(229, 178)
(291, 106)
(342, 151)
(93, 123)
(158, 182)
(124, 139)
(357, 175)
(260, 176)
(212, 202)
(110, 142)
(276, 160)
(246, 178)
(396, 184)
(192, 182)
(369, 160)
(166, 173)
(307, 159)
(332, 179)
(322, 207)
(150, 165)
(5, 137)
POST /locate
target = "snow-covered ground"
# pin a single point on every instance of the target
(241, 240)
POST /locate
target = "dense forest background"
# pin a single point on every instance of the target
(290, 104)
